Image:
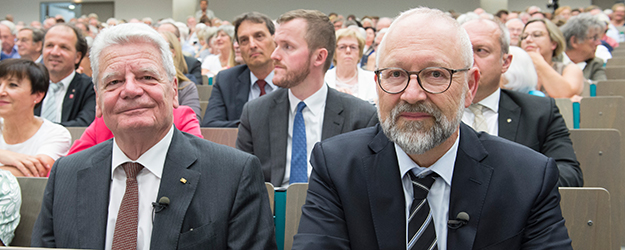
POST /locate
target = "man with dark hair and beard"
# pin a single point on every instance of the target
(422, 179)
(282, 127)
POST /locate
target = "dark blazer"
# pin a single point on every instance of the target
(536, 122)
(78, 104)
(265, 121)
(356, 200)
(224, 203)
(195, 68)
(231, 90)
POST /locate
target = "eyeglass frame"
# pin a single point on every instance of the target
(410, 73)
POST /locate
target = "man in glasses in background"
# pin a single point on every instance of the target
(583, 34)
(422, 179)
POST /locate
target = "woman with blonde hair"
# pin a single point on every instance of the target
(544, 42)
(223, 52)
(346, 76)
(187, 92)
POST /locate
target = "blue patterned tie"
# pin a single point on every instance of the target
(299, 168)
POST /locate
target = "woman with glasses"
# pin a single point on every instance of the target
(346, 76)
(544, 42)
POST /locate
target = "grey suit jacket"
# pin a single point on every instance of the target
(594, 70)
(223, 204)
(231, 91)
(264, 125)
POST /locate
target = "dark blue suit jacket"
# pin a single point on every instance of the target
(356, 201)
(78, 104)
(231, 89)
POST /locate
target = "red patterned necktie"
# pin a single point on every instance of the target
(125, 236)
(261, 84)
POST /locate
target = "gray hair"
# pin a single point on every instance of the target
(578, 27)
(521, 75)
(228, 29)
(37, 33)
(463, 38)
(504, 34)
(9, 25)
(514, 20)
(130, 33)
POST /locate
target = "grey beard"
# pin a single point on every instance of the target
(413, 138)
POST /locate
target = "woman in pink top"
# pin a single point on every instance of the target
(184, 120)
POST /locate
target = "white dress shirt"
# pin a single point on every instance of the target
(255, 90)
(148, 180)
(60, 95)
(490, 112)
(313, 118)
(438, 197)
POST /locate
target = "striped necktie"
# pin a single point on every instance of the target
(421, 232)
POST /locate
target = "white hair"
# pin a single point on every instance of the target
(433, 14)
(184, 30)
(9, 25)
(467, 17)
(130, 33)
(521, 75)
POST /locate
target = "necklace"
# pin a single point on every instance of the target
(348, 81)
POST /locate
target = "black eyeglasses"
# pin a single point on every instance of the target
(434, 80)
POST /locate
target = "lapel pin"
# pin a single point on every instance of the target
(509, 120)
(183, 180)
(71, 96)
(73, 90)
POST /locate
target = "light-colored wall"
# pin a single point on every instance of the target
(522, 5)
(28, 10)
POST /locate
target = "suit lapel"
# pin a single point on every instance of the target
(278, 135)
(468, 189)
(167, 224)
(333, 118)
(384, 187)
(509, 117)
(92, 197)
(70, 96)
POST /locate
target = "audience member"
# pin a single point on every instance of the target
(583, 34)
(346, 76)
(185, 120)
(618, 15)
(29, 44)
(544, 42)
(383, 23)
(282, 127)
(234, 87)
(363, 183)
(29, 145)
(521, 75)
(204, 11)
(10, 204)
(70, 100)
(338, 23)
(48, 23)
(531, 121)
(187, 92)
(204, 36)
(223, 52)
(370, 36)
(193, 65)
(214, 189)
(370, 60)
(515, 28)
(502, 15)
(564, 12)
(7, 35)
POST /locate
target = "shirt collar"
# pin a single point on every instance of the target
(315, 103)
(492, 101)
(444, 167)
(268, 79)
(67, 80)
(153, 159)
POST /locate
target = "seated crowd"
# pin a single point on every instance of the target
(293, 86)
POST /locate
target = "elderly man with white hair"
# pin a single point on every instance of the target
(7, 35)
(152, 186)
(421, 179)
